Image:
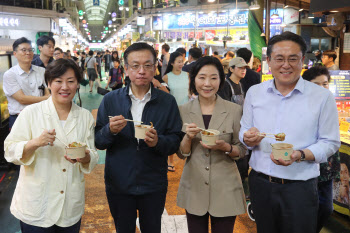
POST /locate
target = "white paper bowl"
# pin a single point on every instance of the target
(140, 132)
(76, 152)
(210, 139)
(282, 150)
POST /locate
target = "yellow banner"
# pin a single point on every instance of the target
(239, 36)
(266, 77)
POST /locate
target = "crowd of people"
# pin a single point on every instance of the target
(178, 100)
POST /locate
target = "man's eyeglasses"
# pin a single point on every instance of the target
(57, 54)
(31, 50)
(291, 61)
(147, 67)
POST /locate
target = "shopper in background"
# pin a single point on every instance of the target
(116, 76)
(183, 52)
(115, 57)
(177, 81)
(283, 193)
(49, 196)
(166, 57)
(99, 61)
(24, 83)
(216, 54)
(210, 185)
(193, 55)
(91, 65)
(328, 59)
(225, 62)
(58, 53)
(82, 63)
(46, 46)
(329, 170)
(136, 169)
(251, 78)
(107, 59)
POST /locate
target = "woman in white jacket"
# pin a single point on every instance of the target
(49, 196)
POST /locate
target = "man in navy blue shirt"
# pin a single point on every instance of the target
(136, 169)
(46, 46)
(193, 55)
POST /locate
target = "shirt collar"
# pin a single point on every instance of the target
(147, 95)
(20, 71)
(300, 86)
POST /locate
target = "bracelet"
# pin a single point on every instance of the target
(185, 155)
(227, 153)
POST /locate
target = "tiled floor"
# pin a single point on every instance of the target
(97, 217)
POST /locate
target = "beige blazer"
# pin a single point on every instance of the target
(210, 180)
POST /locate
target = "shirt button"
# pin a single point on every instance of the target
(64, 170)
(61, 192)
(206, 182)
(207, 154)
(207, 168)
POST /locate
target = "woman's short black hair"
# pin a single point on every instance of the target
(91, 53)
(172, 59)
(313, 72)
(59, 67)
(205, 61)
(229, 71)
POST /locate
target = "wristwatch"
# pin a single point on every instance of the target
(229, 152)
(302, 157)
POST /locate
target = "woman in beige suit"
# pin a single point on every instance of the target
(210, 184)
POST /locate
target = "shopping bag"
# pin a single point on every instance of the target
(102, 91)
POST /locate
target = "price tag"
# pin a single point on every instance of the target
(344, 126)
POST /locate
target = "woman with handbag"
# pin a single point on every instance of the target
(116, 76)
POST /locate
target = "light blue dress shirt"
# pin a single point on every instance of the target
(307, 115)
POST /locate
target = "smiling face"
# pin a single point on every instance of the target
(321, 80)
(24, 53)
(286, 63)
(207, 81)
(178, 63)
(140, 68)
(64, 88)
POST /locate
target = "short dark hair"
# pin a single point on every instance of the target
(91, 53)
(115, 52)
(139, 47)
(201, 62)
(313, 72)
(216, 53)
(98, 53)
(229, 71)
(78, 53)
(19, 41)
(172, 59)
(330, 53)
(83, 53)
(59, 67)
(286, 36)
(117, 60)
(107, 51)
(166, 47)
(195, 52)
(244, 53)
(43, 40)
(181, 50)
(58, 49)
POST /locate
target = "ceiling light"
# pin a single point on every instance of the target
(334, 11)
(285, 4)
(311, 16)
(127, 8)
(301, 9)
(211, 0)
(81, 17)
(283, 25)
(275, 16)
(114, 19)
(109, 13)
(121, 8)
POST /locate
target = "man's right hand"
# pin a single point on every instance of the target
(251, 137)
(116, 124)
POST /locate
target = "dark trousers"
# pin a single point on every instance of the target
(199, 224)
(26, 228)
(12, 120)
(99, 72)
(284, 208)
(124, 208)
(325, 208)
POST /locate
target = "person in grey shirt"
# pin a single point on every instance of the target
(91, 65)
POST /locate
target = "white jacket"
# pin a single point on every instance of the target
(50, 190)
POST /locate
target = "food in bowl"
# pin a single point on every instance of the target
(280, 136)
(210, 136)
(204, 132)
(140, 130)
(76, 150)
(282, 151)
(75, 144)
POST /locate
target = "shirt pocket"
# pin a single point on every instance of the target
(226, 135)
(31, 197)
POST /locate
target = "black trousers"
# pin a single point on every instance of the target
(199, 224)
(124, 208)
(284, 208)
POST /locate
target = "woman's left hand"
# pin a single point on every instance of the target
(84, 160)
(220, 145)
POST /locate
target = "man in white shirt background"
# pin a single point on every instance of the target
(166, 57)
(23, 84)
(284, 193)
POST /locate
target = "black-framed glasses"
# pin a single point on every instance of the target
(291, 61)
(31, 50)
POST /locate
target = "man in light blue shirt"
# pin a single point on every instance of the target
(284, 193)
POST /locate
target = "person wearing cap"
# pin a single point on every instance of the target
(232, 89)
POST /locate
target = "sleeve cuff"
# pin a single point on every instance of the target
(320, 156)
(18, 154)
(87, 168)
